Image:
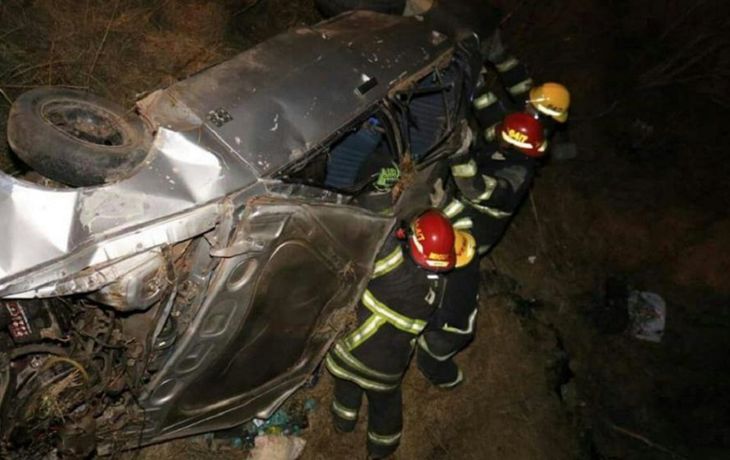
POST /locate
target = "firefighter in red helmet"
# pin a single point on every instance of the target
(406, 286)
(549, 103)
(489, 187)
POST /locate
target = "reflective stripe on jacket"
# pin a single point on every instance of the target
(393, 310)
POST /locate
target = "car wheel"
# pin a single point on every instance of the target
(331, 8)
(76, 138)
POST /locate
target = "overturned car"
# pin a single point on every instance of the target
(190, 264)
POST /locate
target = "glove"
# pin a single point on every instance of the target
(387, 178)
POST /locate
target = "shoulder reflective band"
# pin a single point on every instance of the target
(369, 327)
(496, 213)
(491, 132)
(453, 208)
(468, 169)
(507, 65)
(388, 263)
(459, 378)
(469, 329)
(465, 223)
(521, 87)
(347, 357)
(385, 440)
(490, 184)
(485, 100)
(548, 111)
(423, 344)
(339, 372)
(343, 412)
(405, 324)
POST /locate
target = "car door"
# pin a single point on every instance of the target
(286, 285)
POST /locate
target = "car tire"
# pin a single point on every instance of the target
(76, 138)
(330, 8)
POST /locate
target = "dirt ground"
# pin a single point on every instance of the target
(645, 201)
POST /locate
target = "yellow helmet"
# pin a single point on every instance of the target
(551, 99)
(465, 247)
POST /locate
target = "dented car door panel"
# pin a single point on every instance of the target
(268, 315)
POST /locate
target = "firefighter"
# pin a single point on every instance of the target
(515, 92)
(407, 284)
(549, 103)
(490, 185)
(513, 74)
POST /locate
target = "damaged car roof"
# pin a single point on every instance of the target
(278, 100)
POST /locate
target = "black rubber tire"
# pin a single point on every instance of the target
(330, 8)
(76, 138)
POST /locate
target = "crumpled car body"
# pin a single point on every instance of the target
(204, 289)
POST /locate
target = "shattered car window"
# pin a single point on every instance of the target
(352, 161)
(429, 110)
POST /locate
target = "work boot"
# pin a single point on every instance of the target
(342, 418)
(343, 426)
(442, 374)
(372, 456)
(382, 449)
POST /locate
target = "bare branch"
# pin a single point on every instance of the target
(645, 440)
(103, 41)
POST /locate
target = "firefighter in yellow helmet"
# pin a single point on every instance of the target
(512, 73)
(549, 103)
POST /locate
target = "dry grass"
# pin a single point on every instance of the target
(119, 49)
(122, 49)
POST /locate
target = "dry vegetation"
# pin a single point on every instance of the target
(122, 49)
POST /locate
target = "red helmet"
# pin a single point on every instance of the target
(432, 241)
(525, 133)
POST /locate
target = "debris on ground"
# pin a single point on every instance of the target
(289, 420)
(626, 309)
(273, 447)
(648, 313)
(286, 423)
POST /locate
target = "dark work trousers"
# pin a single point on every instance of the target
(372, 359)
(384, 414)
(451, 328)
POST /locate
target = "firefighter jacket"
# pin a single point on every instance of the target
(492, 102)
(489, 187)
(513, 74)
(392, 312)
